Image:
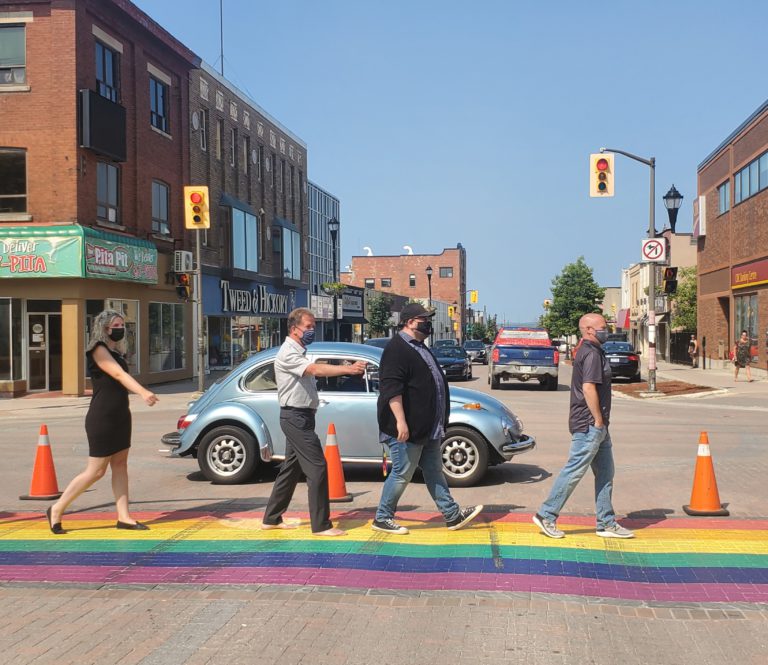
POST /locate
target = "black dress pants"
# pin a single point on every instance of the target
(303, 453)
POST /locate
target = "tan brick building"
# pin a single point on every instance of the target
(732, 225)
(406, 275)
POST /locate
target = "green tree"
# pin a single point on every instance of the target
(491, 329)
(478, 330)
(379, 314)
(684, 302)
(574, 293)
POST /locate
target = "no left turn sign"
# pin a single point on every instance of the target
(654, 249)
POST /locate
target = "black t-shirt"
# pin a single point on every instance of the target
(590, 366)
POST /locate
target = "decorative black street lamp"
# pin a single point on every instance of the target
(672, 201)
(429, 283)
(333, 227)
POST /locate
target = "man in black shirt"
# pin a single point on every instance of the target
(590, 441)
(413, 408)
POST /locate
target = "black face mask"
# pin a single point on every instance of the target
(424, 327)
(116, 334)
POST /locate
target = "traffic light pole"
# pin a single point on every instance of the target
(651, 162)
(199, 316)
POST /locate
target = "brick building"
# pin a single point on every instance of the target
(406, 274)
(94, 145)
(732, 226)
(255, 256)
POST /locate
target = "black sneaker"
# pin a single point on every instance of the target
(465, 516)
(389, 526)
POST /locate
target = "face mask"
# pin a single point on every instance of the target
(424, 327)
(116, 334)
(307, 337)
(602, 336)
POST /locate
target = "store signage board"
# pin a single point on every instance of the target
(32, 257)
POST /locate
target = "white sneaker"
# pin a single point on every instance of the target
(548, 527)
(615, 531)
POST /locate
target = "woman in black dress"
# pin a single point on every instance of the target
(108, 421)
(742, 355)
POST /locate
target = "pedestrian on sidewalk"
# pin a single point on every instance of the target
(298, 398)
(591, 445)
(742, 355)
(413, 408)
(693, 351)
(108, 421)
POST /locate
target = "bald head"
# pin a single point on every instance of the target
(589, 324)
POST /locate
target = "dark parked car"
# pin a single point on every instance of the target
(454, 362)
(444, 342)
(624, 360)
(475, 349)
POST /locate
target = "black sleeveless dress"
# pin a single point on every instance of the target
(108, 421)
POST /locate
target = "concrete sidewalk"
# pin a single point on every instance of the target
(715, 377)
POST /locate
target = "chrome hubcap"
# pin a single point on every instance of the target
(226, 455)
(459, 457)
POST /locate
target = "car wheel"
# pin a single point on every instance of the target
(469, 377)
(228, 455)
(636, 378)
(494, 381)
(465, 457)
(551, 383)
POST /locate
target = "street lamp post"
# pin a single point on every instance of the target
(650, 162)
(672, 201)
(429, 283)
(333, 227)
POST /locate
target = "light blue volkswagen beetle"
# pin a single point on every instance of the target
(225, 428)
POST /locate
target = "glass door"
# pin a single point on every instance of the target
(44, 352)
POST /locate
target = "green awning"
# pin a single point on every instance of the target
(75, 251)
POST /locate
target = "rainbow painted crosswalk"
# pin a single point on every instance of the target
(677, 559)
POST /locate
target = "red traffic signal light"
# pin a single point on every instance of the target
(196, 210)
(183, 286)
(602, 164)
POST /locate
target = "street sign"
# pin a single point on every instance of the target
(654, 250)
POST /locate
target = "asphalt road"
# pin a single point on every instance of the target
(655, 445)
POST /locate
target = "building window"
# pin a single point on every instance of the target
(411, 280)
(370, 283)
(246, 120)
(13, 57)
(246, 153)
(446, 271)
(158, 104)
(746, 318)
(219, 138)
(724, 198)
(750, 180)
(245, 240)
(203, 130)
(232, 147)
(11, 362)
(107, 192)
(291, 254)
(259, 161)
(107, 70)
(160, 208)
(166, 336)
(386, 282)
(271, 169)
(281, 176)
(13, 181)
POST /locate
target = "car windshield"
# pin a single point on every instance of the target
(621, 347)
(475, 344)
(451, 352)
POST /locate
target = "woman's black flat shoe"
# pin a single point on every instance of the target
(131, 527)
(55, 528)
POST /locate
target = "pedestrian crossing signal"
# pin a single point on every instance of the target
(183, 286)
(670, 280)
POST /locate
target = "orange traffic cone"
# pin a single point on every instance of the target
(44, 486)
(705, 499)
(337, 489)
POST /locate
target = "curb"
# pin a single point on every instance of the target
(641, 396)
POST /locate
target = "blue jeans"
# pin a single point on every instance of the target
(406, 456)
(592, 448)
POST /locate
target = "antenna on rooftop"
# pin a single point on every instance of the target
(221, 34)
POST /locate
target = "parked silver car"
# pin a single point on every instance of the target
(227, 425)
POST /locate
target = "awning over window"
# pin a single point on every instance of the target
(75, 251)
(622, 319)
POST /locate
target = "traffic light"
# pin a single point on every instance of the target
(601, 174)
(670, 280)
(451, 311)
(196, 211)
(473, 296)
(183, 286)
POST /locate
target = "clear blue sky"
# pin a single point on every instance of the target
(445, 121)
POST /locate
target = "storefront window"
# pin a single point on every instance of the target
(10, 339)
(233, 339)
(746, 319)
(166, 337)
(130, 312)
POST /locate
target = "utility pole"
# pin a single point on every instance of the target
(650, 162)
